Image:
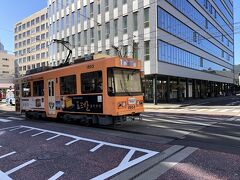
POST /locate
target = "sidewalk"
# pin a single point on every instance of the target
(190, 102)
(6, 107)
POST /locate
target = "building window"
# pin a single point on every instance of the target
(92, 35)
(73, 19)
(62, 23)
(79, 39)
(135, 50)
(91, 10)
(99, 7)
(124, 2)
(124, 24)
(32, 22)
(68, 85)
(99, 35)
(107, 30)
(67, 21)
(125, 51)
(37, 20)
(146, 17)
(135, 21)
(106, 5)
(73, 41)
(85, 13)
(42, 27)
(116, 27)
(115, 3)
(146, 51)
(79, 15)
(42, 17)
(85, 37)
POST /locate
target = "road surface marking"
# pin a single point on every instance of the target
(122, 166)
(6, 155)
(52, 137)
(211, 110)
(8, 128)
(140, 168)
(200, 110)
(96, 147)
(56, 176)
(25, 131)
(20, 167)
(15, 118)
(5, 120)
(167, 164)
(4, 176)
(37, 134)
(71, 142)
(224, 110)
(236, 111)
(15, 129)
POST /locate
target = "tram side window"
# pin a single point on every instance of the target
(91, 82)
(26, 89)
(38, 88)
(68, 85)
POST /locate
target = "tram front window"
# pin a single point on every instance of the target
(124, 82)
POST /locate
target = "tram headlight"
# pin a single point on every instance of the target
(122, 104)
(139, 103)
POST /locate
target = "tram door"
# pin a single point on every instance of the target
(51, 97)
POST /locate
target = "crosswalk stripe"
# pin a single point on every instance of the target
(200, 110)
(211, 110)
(224, 110)
(5, 120)
(236, 111)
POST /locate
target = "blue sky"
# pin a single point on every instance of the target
(11, 11)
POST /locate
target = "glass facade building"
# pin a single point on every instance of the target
(186, 46)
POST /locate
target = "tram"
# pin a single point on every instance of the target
(102, 91)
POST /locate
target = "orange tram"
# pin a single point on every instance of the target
(100, 91)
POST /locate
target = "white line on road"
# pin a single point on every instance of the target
(56, 176)
(37, 134)
(25, 131)
(15, 129)
(8, 128)
(5, 120)
(236, 111)
(96, 147)
(6, 155)
(167, 164)
(200, 110)
(224, 110)
(4, 176)
(71, 142)
(211, 110)
(53, 137)
(146, 153)
(20, 167)
(15, 118)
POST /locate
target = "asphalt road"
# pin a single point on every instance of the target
(164, 145)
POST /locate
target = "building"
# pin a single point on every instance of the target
(1, 47)
(186, 46)
(31, 42)
(6, 72)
